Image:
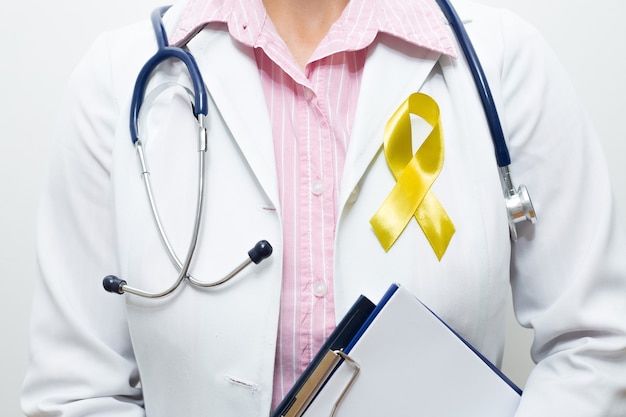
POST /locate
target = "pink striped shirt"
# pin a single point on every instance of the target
(312, 113)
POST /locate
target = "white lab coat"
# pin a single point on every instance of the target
(211, 352)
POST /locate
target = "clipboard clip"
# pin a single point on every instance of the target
(345, 390)
(316, 381)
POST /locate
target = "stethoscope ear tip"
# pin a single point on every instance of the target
(262, 250)
(113, 284)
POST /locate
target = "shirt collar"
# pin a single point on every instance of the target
(419, 22)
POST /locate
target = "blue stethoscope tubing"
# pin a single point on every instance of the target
(518, 203)
(482, 87)
(165, 53)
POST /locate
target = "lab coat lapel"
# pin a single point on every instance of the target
(393, 70)
(390, 75)
(232, 79)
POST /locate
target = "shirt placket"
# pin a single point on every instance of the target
(316, 219)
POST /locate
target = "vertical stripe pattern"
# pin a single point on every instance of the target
(312, 121)
(312, 113)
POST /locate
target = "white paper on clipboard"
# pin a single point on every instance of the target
(412, 364)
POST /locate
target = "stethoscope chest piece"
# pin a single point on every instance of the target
(519, 209)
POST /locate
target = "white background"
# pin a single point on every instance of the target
(42, 41)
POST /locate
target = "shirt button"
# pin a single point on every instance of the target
(319, 289)
(317, 188)
(308, 94)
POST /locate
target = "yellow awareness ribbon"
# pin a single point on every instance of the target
(415, 175)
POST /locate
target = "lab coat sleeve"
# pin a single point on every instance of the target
(569, 270)
(81, 360)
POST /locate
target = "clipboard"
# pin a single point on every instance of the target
(309, 383)
(405, 361)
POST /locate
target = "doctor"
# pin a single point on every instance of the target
(300, 94)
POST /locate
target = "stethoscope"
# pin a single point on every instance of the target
(260, 251)
(518, 203)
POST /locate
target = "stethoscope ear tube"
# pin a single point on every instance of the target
(261, 251)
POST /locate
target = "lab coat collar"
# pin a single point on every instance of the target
(232, 77)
